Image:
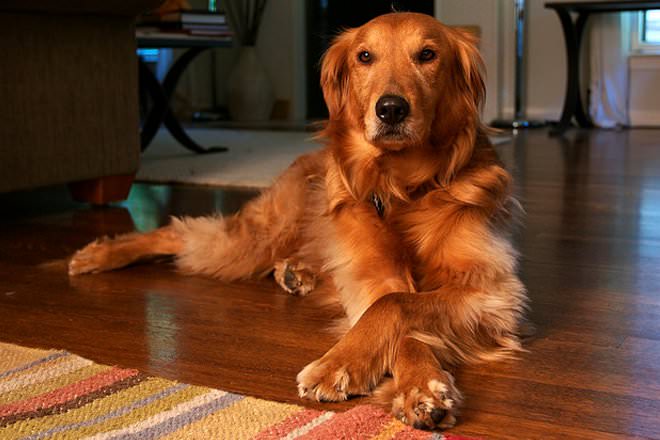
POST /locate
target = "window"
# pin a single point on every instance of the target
(149, 55)
(646, 32)
(650, 27)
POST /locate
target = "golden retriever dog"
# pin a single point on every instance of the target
(402, 216)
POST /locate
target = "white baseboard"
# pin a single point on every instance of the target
(536, 113)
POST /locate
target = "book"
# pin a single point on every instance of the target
(175, 26)
(186, 17)
(146, 34)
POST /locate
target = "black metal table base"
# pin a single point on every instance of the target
(160, 113)
(573, 32)
(573, 107)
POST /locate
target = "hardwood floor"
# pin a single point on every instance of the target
(590, 257)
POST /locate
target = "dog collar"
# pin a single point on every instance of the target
(378, 204)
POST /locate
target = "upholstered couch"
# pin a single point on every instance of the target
(68, 91)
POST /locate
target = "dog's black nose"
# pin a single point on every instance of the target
(392, 109)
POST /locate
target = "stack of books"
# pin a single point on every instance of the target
(200, 23)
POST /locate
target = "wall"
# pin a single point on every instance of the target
(644, 96)
(486, 16)
(281, 46)
(546, 63)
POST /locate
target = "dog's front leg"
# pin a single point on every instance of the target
(365, 259)
(357, 363)
(366, 262)
(412, 336)
(383, 341)
(421, 393)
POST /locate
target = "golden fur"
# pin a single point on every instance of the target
(428, 282)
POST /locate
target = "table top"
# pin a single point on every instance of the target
(173, 40)
(606, 6)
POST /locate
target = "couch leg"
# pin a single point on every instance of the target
(102, 190)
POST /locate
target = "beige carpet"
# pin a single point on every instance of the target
(255, 157)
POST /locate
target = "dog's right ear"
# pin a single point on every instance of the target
(334, 73)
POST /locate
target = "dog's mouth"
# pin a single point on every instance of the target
(393, 136)
(389, 132)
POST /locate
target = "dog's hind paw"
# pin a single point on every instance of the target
(89, 259)
(99, 256)
(296, 279)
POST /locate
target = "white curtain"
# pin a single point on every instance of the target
(610, 42)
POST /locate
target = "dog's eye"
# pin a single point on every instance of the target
(426, 55)
(364, 57)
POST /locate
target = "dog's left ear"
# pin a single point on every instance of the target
(462, 121)
(470, 67)
(334, 73)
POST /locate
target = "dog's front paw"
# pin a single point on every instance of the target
(427, 403)
(330, 379)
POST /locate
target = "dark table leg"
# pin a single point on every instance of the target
(161, 112)
(581, 115)
(573, 32)
(155, 116)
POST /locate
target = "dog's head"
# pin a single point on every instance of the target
(403, 79)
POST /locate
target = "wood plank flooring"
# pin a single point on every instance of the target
(590, 257)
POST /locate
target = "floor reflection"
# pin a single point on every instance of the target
(152, 205)
(161, 329)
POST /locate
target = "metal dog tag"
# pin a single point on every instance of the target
(378, 204)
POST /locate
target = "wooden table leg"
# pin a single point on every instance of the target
(102, 190)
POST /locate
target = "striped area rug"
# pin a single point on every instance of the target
(55, 394)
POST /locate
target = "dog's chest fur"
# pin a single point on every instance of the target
(397, 191)
(416, 222)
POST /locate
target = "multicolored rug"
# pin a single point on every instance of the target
(55, 394)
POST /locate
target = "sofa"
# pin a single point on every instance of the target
(69, 95)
